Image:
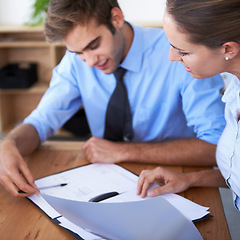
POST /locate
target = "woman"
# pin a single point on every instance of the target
(205, 36)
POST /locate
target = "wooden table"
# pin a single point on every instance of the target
(20, 219)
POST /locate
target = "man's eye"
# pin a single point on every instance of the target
(94, 46)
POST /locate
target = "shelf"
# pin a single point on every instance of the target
(37, 88)
(15, 106)
(25, 44)
(14, 36)
(14, 28)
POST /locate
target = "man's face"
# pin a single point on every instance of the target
(96, 45)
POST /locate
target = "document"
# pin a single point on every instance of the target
(65, 199)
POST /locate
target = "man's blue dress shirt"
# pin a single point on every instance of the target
(166, 102)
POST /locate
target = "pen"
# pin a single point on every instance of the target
(103, 196)
(46, 187)
(53, 186)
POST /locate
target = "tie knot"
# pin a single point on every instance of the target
(119, 73)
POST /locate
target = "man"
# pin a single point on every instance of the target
(175, 118)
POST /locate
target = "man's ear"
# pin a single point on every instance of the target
(231, 49)
(117, 17)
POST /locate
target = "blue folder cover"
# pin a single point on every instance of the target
(154, 219)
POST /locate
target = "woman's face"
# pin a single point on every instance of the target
(199, 60)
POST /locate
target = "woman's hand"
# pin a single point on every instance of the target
(169, 181)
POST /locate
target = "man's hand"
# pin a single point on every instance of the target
(101, 150)
(169, 181)
(14, 173)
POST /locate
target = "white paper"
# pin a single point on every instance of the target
(88, 181)
(44, 205)
(189, 209)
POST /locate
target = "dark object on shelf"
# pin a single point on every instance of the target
(78, 124)
(18, 75)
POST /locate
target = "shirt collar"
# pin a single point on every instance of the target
(232, 91)
(133, 60)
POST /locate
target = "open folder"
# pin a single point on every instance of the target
(65, 199)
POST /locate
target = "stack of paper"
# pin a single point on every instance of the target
(125, 216)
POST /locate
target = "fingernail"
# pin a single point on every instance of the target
(151, 194)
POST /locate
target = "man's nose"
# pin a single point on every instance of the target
(174, 55)
(91, 59)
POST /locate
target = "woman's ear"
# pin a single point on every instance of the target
(117, 17)
(231, 49)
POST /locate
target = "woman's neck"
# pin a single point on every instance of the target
(234, 66)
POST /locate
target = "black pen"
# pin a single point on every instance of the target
(103, 196)
(46, 187)
(53, 186)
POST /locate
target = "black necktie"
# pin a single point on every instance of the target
(118, 123)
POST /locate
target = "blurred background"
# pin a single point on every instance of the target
(19, 11)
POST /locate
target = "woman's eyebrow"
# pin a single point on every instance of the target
(177, 48)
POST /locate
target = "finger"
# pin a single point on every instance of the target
(141, 179)
(161, 190)
(8, 185)
(91, 153)
(14, 181)
(11, 187)
(86, 152)
(145, 187)
(145, 179)
(139, 186)
(28, 176)
(25, 188)
(20, 181)
(24, 170)
(84, 147)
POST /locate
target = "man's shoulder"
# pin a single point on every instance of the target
(155, 38)
(149, 33)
